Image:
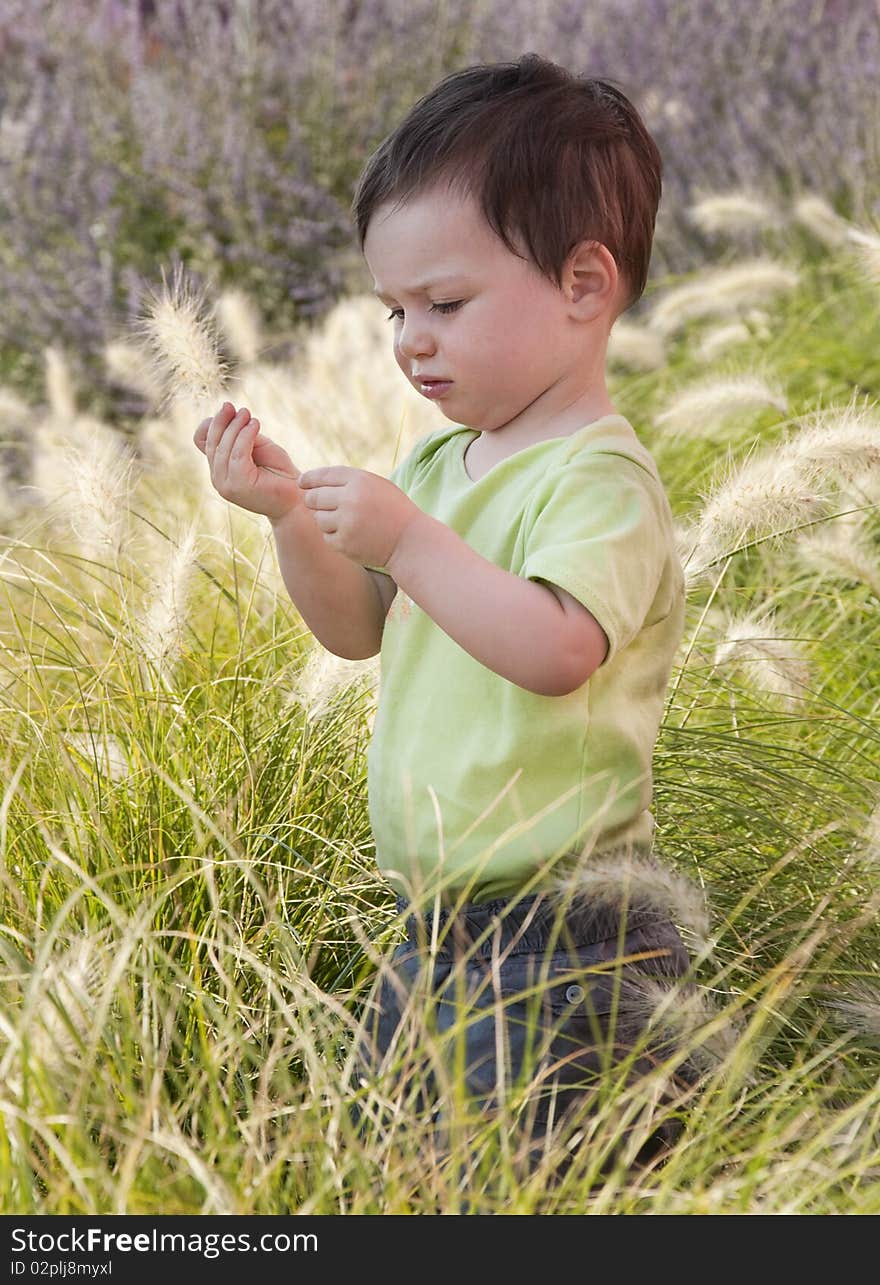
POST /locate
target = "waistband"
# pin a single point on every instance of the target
(524, 927)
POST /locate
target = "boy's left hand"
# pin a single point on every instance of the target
(361, 514)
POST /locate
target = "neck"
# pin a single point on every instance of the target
(538, 422)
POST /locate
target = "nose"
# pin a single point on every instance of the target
(415, 337)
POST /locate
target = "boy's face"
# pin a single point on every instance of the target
(489, 324)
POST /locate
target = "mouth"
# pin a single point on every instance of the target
(432, 388)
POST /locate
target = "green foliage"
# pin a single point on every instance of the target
(190, 930)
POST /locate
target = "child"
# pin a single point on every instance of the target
(517, 571)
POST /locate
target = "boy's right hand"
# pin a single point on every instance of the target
(248, 469)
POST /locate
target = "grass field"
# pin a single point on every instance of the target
(191, 915)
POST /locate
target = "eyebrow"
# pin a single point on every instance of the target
(425, 285)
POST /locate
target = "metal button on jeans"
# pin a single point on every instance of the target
(574, 994)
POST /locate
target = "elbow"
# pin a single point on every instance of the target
(574, 667)
(562, 682)
(579, 645)
(356, 653)
(351, 647)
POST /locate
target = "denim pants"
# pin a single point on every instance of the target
(556, 999)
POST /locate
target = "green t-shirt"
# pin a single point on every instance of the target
(472, 780)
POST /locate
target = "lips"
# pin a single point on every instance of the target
(428, 386)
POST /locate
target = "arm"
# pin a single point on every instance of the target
(533, 634)
(536, 636)
(343, 604)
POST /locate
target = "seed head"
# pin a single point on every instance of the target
(183, 342)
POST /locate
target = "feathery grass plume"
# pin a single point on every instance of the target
(100, 485)
(159, 442)
(786, 487)
(715, 403)
(130, 366)
(635, 346)
(841, 549)
(870, 841)
(774, 662)
(240, 322)
(732, 212)
(721, 292)
(83, 469)
(52, 443)
(160, 628)
(682, 1015)
(843, 442)
(762, 498)
(854, 502)
(760, 322)
(867, 250)
(618, 878)
(104, 754)
(325, 676)
(868, 489)
(866, 852)
(872, 829)
(183, 342)
(720, 338)
(859, 1010)
(818, 217)
(63, 998)
(60, 391)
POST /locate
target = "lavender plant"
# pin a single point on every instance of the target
(227, 137)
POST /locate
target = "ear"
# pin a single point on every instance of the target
(590, 280)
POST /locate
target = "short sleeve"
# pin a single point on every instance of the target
(600, 532)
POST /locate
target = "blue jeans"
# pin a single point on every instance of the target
(554, 999)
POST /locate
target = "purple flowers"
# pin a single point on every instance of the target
(227, 137)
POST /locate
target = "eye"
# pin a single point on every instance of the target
(452, 306)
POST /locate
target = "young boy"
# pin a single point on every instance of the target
(517, 571)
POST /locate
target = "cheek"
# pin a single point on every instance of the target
(529, 342)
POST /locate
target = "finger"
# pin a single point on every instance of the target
(334, 475)
(245, 438)
(323, 497)
(201, 433)
(246, 425)
(228, 441)
(217, 427)
(326, 522)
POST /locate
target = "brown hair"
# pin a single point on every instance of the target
(551, 157)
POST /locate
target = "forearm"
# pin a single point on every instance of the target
(514, 626)
(335, 596)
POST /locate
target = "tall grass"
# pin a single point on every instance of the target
(192, 920)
